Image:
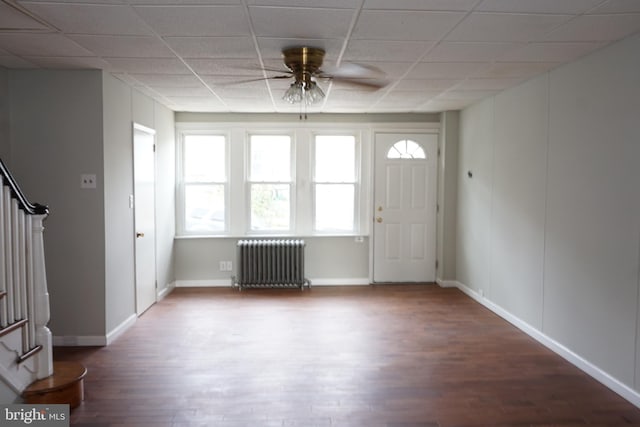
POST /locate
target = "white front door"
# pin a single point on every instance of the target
(144, 216)
(404, 230)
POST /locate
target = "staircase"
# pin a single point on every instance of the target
(25, 340)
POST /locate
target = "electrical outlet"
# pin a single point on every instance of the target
(229, 265)
(87, 180)
(223, 266)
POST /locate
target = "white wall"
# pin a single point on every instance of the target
(328, 259)
(549, 225)
(64, 124)
(5, 146)
(123, 106)
(56, 135)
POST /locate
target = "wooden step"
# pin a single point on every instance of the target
(66, 385)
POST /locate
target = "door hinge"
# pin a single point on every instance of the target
(154, 148)
(438, 208)
(437, 264)
(438, 152)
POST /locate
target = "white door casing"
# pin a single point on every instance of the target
(144, 216)
(404, 222)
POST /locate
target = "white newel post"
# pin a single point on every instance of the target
(41, 298)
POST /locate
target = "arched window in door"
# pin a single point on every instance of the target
(406, 149)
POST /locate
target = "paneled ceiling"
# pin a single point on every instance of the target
(191, 54)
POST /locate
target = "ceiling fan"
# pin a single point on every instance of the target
(304, 66)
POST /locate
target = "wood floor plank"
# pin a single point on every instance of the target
(392, 356)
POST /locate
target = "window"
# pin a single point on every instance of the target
(406, 149)
(204, 184)
(270, 183)
(334, 183)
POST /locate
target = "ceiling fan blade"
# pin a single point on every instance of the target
(357, 74)
(239, 82)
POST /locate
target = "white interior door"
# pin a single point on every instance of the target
(144, 166)
(404, 230)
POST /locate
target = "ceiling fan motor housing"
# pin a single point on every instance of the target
(303, 62)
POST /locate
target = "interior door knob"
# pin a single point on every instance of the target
(139, 235)
(379, 219)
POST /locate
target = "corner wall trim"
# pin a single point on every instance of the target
(575, 359)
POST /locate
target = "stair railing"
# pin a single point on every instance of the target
(24, 298)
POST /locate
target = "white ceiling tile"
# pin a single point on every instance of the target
(182, 91)
(38, 44)
(124, 46)
(67, 63)
(148, 65)
(595, 28)
(619, 6)
(271, 48)
(383, 50)
(404, 25)
(197, 21)
(426, 84)
(300, 22)
(466, 95)
(166, 80)
(444, 70)
(538, 6)
(90, 18)
(487, 84)
(185, 3)
(13, 19)
(438, 105)
(453, 5)
(10, 61)
(226, 67)
(331, 4)
(213, 47)
(505, 27)
(550, 52)
(74, 1)
(468, 51)
(502, 70)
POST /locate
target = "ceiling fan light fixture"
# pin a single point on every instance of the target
(304, 92)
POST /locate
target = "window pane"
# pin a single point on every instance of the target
(204, 207)
(334, 207)
(270, 206)
(335, 158)
(406, 149)
(204, 158)
(270, 158)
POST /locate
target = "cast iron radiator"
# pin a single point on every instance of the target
(270, 264)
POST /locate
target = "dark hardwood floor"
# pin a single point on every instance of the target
(396, 355)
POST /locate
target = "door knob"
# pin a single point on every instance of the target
(379, 219)
(139, 235)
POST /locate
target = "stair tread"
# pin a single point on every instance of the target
(64, 374)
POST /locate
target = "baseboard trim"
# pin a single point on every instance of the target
(341, 282)
(215, 283)
(162, 293)
(121, 328)
(575, 359)
(223, 283)
(94, 340)
(79, 340)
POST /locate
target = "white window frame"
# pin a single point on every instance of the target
(181, 183)
(357, 181)
(292, 183)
